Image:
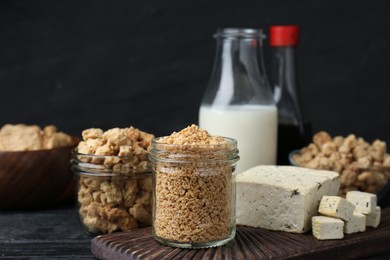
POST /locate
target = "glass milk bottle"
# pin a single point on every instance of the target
(238, 101)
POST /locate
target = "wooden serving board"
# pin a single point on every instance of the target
(249, 243)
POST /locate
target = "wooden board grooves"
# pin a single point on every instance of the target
(249, 243)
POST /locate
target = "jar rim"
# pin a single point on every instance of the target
(76, 153)
(185, 153)
(232, 143)
(240, 33)
(81, 167)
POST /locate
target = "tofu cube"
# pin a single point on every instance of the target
(325, 228)
(334, 206)
(282, 198)
(356, 224)
(364, 202)
(374, 218)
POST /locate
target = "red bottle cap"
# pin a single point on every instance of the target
(284, 35)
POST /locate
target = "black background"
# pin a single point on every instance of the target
(82, 64)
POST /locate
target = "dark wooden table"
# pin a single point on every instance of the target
(49, 234)
(43, 234)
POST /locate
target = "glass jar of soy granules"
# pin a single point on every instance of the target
(194, 188)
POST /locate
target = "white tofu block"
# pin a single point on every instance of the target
(327, 228)
(374, 218)
(337, 207)
(334, 187)
(364, 202)
(282, 198)
(356, 224)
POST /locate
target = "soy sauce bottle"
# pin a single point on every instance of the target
(294, 129)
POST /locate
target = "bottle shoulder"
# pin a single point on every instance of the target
(245, 107)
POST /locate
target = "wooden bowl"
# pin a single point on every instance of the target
(36, 179)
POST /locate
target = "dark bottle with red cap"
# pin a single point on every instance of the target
(294, 129)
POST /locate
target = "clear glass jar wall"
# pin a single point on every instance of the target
(194, 194)
(112, 195)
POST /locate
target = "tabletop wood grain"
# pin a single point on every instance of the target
(54, 234)
(43, 234)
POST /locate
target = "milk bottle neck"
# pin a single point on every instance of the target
(239, 76)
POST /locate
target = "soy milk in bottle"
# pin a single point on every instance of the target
(238, 101)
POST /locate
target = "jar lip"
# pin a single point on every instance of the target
(88, 167)
(76, 153)
(184, 153)
(240, 32)
(231, 142)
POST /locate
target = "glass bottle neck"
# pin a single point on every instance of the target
(286, 92)
(284, 72)
(239, 76)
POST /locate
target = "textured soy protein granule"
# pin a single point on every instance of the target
(194, 196)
